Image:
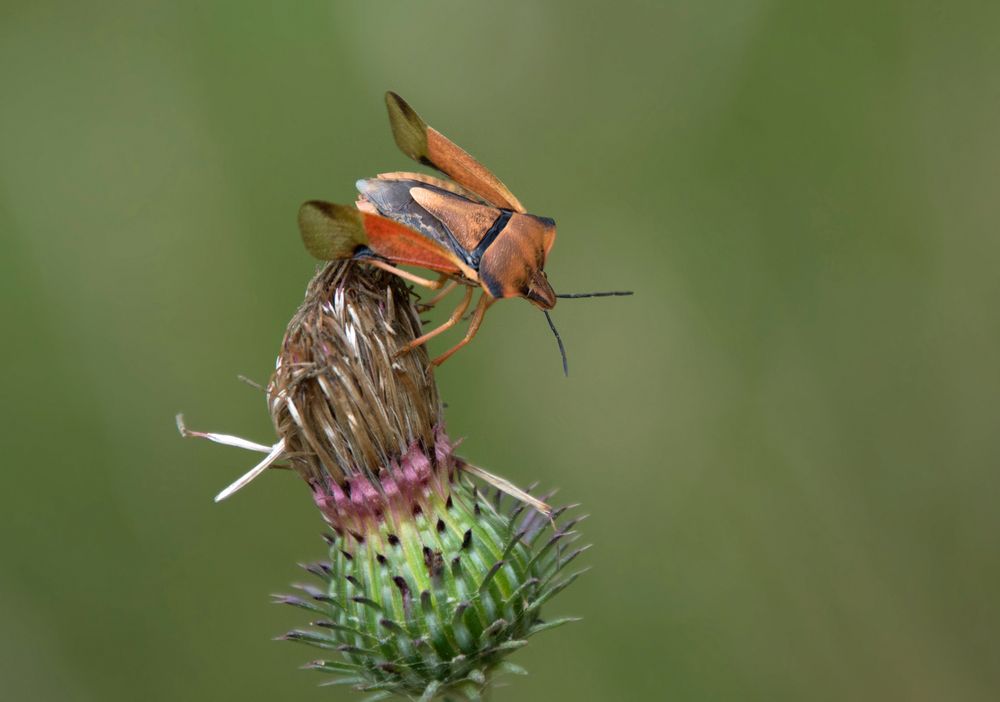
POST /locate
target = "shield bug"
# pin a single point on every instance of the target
(469, 228)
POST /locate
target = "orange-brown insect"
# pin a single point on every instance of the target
(470, 229)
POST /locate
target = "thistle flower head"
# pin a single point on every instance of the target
(360, 424)
(430, 583)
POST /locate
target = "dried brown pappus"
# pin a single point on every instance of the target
(340, 397)
(357, 416)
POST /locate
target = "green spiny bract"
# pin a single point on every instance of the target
(429, 601)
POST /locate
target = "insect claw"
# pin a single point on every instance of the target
(399, 353)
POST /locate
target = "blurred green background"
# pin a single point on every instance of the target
(787, 439)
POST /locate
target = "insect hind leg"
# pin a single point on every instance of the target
(405, 275)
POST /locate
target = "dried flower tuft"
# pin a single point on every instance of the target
(359, 423)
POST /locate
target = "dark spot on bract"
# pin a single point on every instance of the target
(433, 561)
(404, 589)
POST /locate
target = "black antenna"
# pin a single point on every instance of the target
(562, 349)
(609, 293)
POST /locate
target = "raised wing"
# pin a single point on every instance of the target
(430, 147)
(333, 232)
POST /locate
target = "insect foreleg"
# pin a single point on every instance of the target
(477, 318)
(448, 324)
(423, 306)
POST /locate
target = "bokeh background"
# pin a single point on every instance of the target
(788, 439)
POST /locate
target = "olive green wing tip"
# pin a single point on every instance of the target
(408, 129)
(331, 232)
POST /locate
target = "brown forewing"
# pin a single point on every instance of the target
(467, 221)
(430, 147)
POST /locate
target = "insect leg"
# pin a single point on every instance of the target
(439, 296)
(477, 318)
(448, 324)
(406, 275)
